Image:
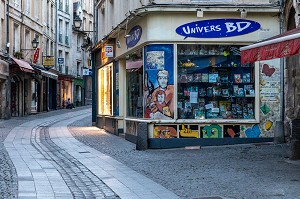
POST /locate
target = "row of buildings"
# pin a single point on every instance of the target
(44, 58)
(175, 70)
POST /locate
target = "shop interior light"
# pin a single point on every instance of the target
(243, 13)
(199, 12)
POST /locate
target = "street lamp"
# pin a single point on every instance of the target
(34, 44)
(87, 43)
(77, 22)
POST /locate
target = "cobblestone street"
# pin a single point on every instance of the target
(41, 159)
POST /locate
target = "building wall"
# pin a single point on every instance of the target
(111, 13)
(291, 71)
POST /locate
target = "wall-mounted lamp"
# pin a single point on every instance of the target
(243, 13)
(77, 22)
(126, 35)
(199, 12)
(118, 43)
(34, 43)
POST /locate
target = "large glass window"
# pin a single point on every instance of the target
(104, 90)
(134, 77)
(212, 83)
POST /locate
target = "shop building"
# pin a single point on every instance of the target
(176, 72)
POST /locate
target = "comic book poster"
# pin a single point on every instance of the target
(158, 86)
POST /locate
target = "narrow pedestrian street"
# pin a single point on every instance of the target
(50, 163)
(59, 154)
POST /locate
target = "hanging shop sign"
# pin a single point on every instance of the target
(109, 51)
(48, 60)
(134, 36)
(36, 55)
(217, 28)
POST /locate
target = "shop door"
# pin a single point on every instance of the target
(34, 96)
(45, 90)
(14, 99)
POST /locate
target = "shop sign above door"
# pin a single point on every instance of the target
(134, 36)
(217, 28)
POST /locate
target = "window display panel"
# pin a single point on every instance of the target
(212, 83)
(104, 94)
(134, 77)
(159, 81)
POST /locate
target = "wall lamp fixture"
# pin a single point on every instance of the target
(77, 22)
(199, 12)
(243, 13)
(34, 43)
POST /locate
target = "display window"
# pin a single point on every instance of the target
(105, 87)
(212, 83)
(134, 77)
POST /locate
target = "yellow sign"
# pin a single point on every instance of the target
(48, 61)
(186, 132)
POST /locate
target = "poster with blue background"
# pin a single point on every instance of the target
(159, 81)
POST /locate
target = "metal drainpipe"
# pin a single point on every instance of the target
(7, 27)
(94, 106)
(56, 58)
(8, 81)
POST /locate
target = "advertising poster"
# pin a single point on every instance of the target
(269, 99)
(158, 91)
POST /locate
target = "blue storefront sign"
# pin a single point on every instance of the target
(134, 36)
(217, 28)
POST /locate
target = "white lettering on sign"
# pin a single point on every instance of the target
(197, 29)
(134, 36)
(239, 26)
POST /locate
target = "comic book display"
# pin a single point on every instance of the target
(212, 83)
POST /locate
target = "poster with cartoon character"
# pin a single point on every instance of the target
(158, 86)
(269, 99)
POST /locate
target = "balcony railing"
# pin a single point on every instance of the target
(60, 38)
(67, 40)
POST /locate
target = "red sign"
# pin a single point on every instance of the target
(36, 55)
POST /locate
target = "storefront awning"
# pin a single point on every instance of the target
(49, 74)
(24, 66)
(133, 66)
(282, 45)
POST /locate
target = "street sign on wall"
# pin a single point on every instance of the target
(86, 71)
(60, 60)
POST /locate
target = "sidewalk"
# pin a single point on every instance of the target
(50, 163)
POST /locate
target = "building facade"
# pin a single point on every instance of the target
(28, 38)
(41, 77)
(175, 69)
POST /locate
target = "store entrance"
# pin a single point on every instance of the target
(14, 98)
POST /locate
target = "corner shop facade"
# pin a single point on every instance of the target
(189, 90)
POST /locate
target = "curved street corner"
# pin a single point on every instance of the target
(59, 154)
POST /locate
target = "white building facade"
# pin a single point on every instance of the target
(174, 69)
